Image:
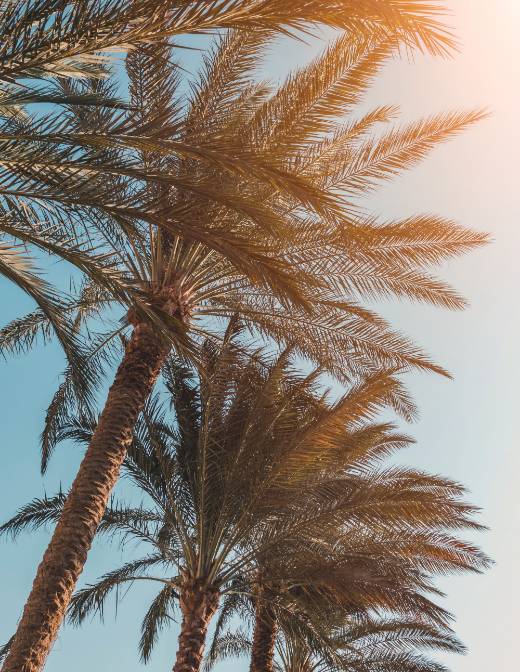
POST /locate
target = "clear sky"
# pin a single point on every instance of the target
(468, 428)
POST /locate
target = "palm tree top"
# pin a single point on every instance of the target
(260, 480)
(246, 200)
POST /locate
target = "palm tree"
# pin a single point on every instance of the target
(47, 39)
(362, 644)
(203, 225)
(261, 487)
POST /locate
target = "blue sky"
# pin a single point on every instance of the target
(468, 427)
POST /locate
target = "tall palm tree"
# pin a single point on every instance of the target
(202, 241)
(260, 486)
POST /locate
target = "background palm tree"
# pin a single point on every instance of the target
(261, 488)
(364, 644)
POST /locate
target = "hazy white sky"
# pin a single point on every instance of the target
(468, 428)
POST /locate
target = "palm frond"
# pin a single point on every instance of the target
(156, 618)
(91, 599)
(415, 242)
(400, 149)
(35, 515)
(309, 103)
(228, 645)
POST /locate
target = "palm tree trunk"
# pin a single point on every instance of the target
(67, 552)
(264, 638)
(198, 605)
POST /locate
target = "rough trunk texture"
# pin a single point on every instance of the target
(198, 604)
(264, 638)
(67, 552)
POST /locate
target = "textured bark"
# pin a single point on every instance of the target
(198, 605)
(67, 552)
(264, 638)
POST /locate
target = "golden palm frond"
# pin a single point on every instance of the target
(312, 99)
(400, 149)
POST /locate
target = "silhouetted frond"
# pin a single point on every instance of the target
(400, 149)
(156, 618)
(38, 513)
(91, 600)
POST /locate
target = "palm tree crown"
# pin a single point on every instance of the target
(275, 233)
(47, 41)
(262, 483)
